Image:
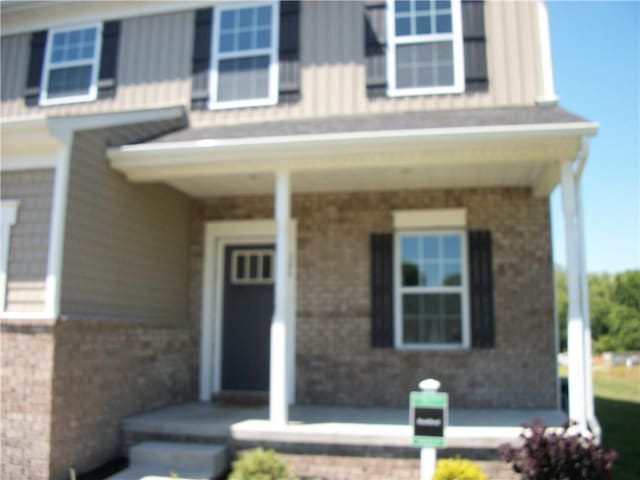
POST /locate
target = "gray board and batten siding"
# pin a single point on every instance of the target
(155, 67)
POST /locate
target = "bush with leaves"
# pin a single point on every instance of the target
(259, 464)
(548, 453)
(458, 469)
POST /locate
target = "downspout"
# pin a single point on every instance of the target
(592, 420)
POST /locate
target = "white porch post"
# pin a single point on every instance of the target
(278, 402)
(575, 336)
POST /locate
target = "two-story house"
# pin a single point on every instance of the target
(318, 202)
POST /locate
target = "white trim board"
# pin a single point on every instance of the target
(9, 212)
(430, 218)
(217, 234)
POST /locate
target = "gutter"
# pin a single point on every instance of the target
(386, 137)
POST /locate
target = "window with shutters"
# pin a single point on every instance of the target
(425, 47)
(431, 290)
(71, 64)
(244, 70)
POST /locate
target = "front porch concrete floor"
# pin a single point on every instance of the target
(334, 425)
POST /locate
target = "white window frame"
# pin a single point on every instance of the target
(92, 94)
(399, 290)
(272, 51)
(458, 53)
(260, 279)
(9, 212)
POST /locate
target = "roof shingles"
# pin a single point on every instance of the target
(379, 122)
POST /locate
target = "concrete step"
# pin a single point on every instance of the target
(155, 460)
(178, 454)
(155, 472)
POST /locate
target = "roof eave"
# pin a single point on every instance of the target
(264, 146)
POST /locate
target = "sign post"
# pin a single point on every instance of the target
(429, 417)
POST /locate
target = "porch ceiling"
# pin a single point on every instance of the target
(373, 179)
(406, 151)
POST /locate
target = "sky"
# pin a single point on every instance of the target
(596, 58)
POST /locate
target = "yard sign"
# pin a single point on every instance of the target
(429, 418)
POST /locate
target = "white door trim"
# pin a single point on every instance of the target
(217, 235)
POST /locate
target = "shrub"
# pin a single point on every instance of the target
(561, 455)
(458, 469)
(259, 464)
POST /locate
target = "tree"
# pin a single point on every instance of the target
(615, 310)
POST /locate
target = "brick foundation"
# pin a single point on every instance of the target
(359, 468)
(25, 401)
(68, 416)
(107, 371)
(335, 361)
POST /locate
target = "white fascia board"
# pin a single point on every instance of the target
(26, 18)
(265, 148)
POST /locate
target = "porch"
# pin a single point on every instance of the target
(333, 430)
(334, 187)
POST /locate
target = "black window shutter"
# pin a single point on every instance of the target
(382, 290)
(481, 286)
(109, 59)
(289, 52)
(475, 46)
(375, 47)
(201, 59)
(36, 64)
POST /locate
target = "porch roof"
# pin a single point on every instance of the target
(515, 146)
(485, 117)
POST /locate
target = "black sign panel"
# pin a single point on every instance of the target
(428, 422)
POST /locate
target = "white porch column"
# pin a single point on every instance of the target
(278, 402)
(575, 336)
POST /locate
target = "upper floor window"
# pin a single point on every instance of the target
(71, 64)
(244, 70)
(425, 53)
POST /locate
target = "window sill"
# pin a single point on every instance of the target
(267, 102)
(415, 92)
(66, 100)
(443, 347)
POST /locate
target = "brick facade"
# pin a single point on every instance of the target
(65, 390)
(26, 371)
(105, 372)
(335, 362)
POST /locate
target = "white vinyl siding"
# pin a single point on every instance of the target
(244, 60)
(425, 47)
(72, 60)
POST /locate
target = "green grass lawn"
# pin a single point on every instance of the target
(617, 392)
